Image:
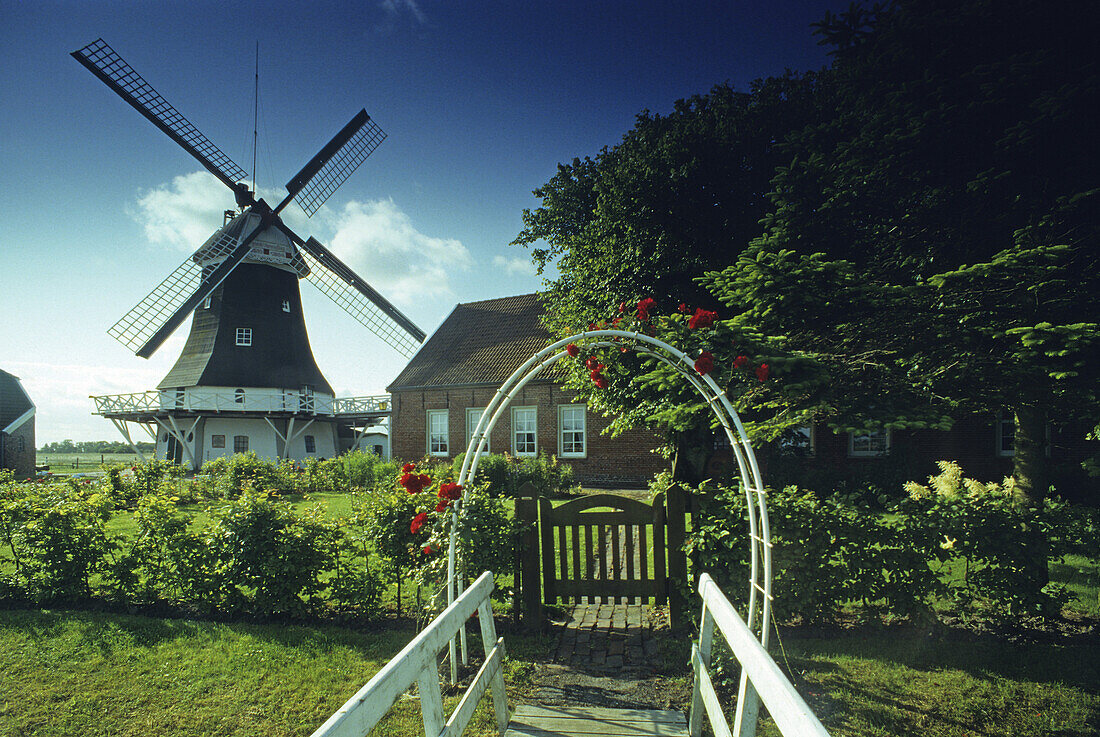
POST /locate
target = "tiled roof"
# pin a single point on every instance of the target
(479, 343)
(13, 399)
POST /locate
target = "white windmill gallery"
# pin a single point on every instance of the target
(246, 379)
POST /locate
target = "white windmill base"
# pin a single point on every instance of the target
(199, 424)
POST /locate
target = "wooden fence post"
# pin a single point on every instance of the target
(678, 584)
(530, 582)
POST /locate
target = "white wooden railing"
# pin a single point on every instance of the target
(232, 400)
(761, 679)
(418, 663)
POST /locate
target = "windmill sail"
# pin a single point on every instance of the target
(360, 300)
(149, 323)
(334, 163)
(102, 61)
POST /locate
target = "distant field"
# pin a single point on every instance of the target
(78, 462)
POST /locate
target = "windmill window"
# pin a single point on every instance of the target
(22, 444)
(311, 444)
(217, 441)
(206, 304)
(238, 396)
(244, 336)
(286, 305)
(267, 251)
(240, 443)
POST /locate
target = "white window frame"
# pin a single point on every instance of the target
(310, 440)
(563, 409)
(244, 336)
(206, 303)
(1006, 417)
(853, 452)
(473, 416)
(286, 305)
(217, 441)
(534, 431)
(809, 433)
(444, 448)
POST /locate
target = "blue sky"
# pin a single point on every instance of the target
(480, 100)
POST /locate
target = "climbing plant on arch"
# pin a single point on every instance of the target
(695, 374)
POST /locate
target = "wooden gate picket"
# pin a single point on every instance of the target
(591, 555)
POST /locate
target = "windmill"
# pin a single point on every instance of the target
(247, 371)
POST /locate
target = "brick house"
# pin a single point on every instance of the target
(17, 450)
(438, 397)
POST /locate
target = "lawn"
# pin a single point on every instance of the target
(90, 673)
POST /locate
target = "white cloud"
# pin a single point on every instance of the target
(379, 242)
(515, 266)
(184, 212)
(394, 8)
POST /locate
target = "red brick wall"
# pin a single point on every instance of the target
(626, 460)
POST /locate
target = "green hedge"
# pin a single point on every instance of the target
(973, 548)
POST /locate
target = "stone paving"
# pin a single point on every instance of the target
(609, 637)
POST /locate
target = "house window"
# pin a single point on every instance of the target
(473, 416)
(437, 432)
(217, 441)
(240, 443)
(286, 305)
(311, 444)
(524, 431)
(571, 430)
(238, 396)
(874, 443)
(244, 336)
(798, 441)
(1006, 434)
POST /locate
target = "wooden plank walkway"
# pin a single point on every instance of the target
(584, 721)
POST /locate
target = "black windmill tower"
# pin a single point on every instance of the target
(241, 286)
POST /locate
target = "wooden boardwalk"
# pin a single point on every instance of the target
(585, 721)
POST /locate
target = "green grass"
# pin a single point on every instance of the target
(880, 683)
(87, 673)
(66, 463)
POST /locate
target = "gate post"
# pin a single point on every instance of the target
(527, 550)
(678, 584)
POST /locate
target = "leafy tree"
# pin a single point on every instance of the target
(933, 241)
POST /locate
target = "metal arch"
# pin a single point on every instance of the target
(760, 581)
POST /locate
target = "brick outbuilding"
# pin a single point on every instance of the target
(438, 397)
(17, 451)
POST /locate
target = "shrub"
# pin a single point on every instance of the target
(505, 475)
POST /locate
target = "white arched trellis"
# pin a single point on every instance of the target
(760, 569)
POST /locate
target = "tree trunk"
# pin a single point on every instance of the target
(1030, 464)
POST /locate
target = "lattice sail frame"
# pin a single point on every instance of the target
(136, 327)
(341, 166)
(760, 573)
(356, 304)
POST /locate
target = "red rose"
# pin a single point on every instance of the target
(600, 381)
(427, 550)
(592, 363)
(408, 468)
(418, 522)
(591, 326)
(740, 361)
(644, 306)
(616, 321)
(622, 307)
(572, 350)
(683, 307)
(762, 371)
(450, 491)
(702, 319)
(704, 364)
(442, 504)
(623, 349)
